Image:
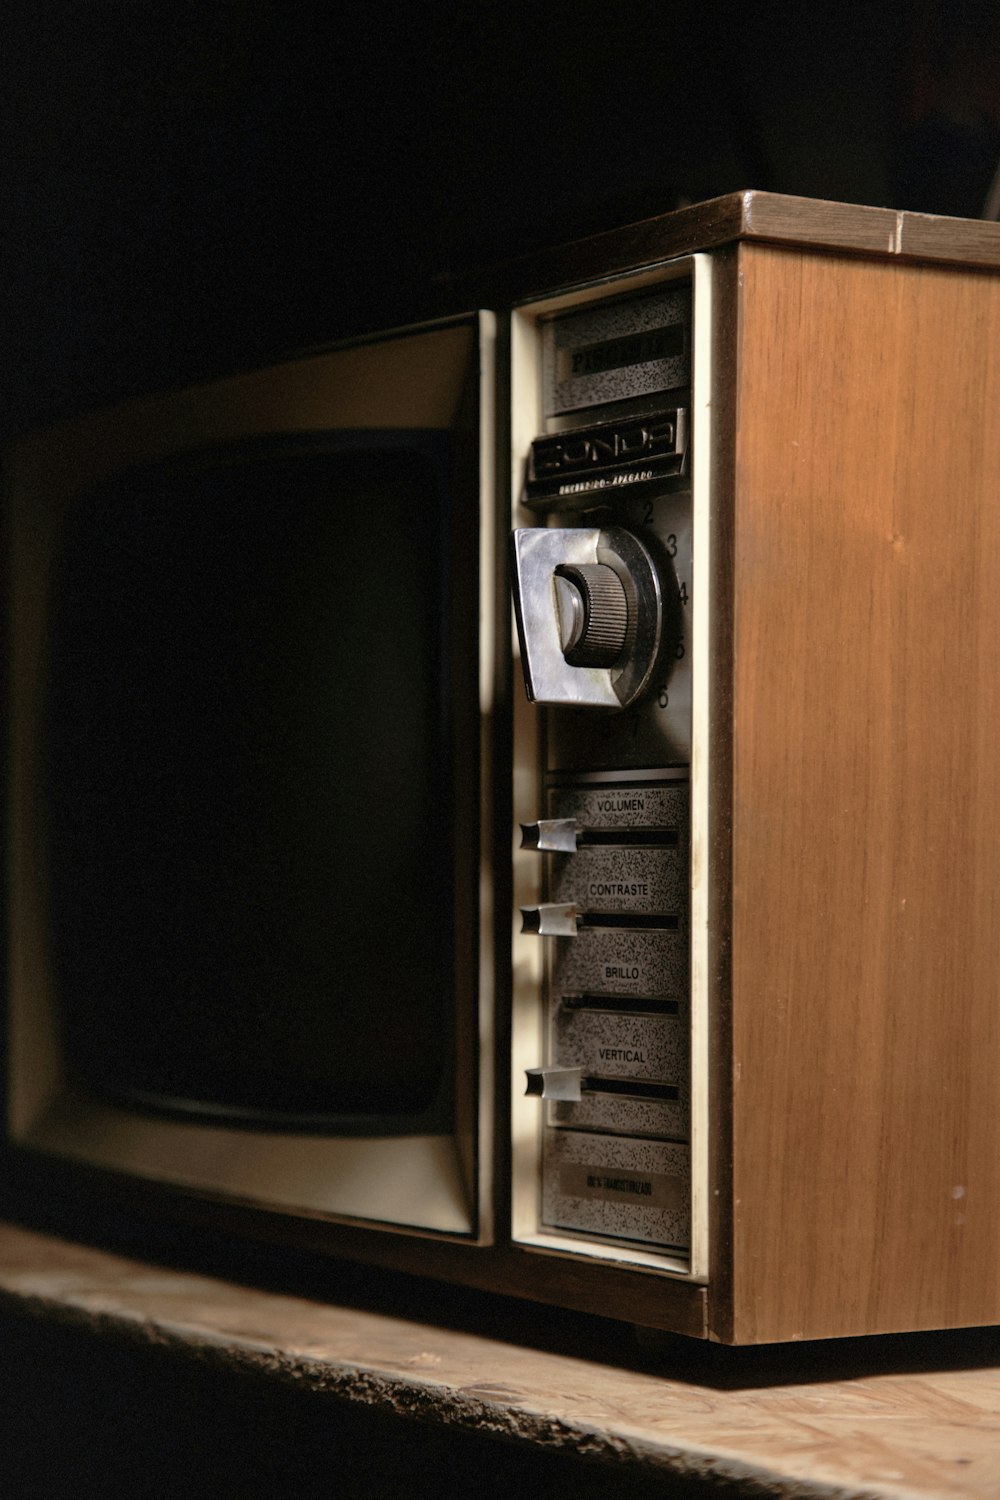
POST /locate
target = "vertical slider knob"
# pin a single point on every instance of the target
(563, 1084)
(551, 919)
(593, 614)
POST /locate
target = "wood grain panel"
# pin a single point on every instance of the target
(816, 221)
(872, 231)
(866, 798)
(970, 242)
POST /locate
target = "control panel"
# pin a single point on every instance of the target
(609, 421)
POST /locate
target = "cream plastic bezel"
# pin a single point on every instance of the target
(527, 988)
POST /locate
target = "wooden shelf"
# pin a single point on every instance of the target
(911, 1416)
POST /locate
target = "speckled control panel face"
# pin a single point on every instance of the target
(618, 350)
(618, 1187)
(615, 1162)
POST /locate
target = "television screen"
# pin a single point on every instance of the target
(248, 747)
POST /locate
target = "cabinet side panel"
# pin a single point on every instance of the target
(866, 798)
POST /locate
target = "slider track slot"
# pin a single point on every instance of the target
(622, 1004)
(632, 1088)
(650, 921)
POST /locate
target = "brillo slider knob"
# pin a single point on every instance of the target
(551, 919)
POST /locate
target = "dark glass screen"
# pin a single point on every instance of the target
(249, 748)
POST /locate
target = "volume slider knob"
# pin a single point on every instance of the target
(593, 614)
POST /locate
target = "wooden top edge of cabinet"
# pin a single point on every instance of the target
(776, 218)
(872, 231)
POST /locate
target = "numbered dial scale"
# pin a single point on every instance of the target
(602, 589)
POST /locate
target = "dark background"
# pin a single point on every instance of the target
(189, 185)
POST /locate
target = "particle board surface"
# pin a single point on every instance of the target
(731, 1425)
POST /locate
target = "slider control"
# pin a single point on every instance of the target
(551, 919)
(551, 835)
(563, 1084)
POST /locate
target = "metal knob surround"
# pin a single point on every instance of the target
(590, 590)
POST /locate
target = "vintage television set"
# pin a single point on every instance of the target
(635, 949)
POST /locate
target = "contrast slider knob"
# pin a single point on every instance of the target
(593, 614)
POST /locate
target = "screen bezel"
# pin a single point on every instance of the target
(431, 379)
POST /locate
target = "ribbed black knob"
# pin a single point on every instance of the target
(593, 610)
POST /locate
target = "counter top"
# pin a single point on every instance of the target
(733, 1424)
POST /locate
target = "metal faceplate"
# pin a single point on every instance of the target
(549, 678)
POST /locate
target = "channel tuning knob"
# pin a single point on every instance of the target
(589, 615)
(593, 614)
